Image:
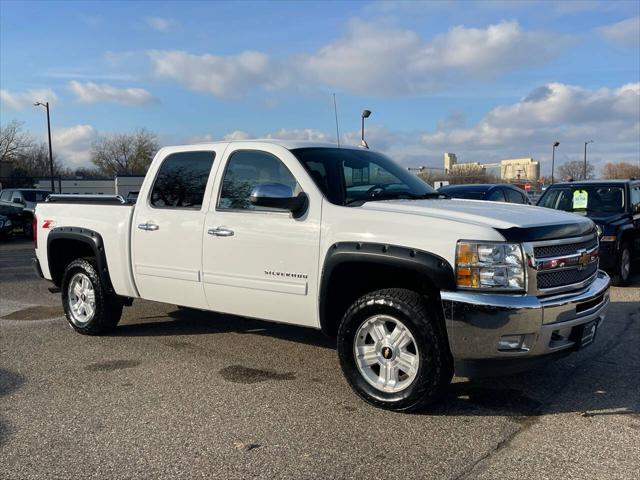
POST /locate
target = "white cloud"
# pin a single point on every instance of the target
(301, 134)
(237, 135)
(378, 60)
(160, 24)
(206, 138)
(556, 111)
(90, 92)
(72, 144)
(229, 76)
(372, 59)
(26, 99)
(626, 32)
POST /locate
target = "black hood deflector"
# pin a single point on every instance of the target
(546, 232)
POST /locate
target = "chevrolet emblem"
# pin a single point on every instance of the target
(584, 260)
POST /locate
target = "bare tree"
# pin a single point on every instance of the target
(13, 141)
(33, 161)
(124, 153)
(574, 170)
(620, 170)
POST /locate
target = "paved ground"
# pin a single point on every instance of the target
(171, 395)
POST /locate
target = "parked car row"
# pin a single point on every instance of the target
(17, 206)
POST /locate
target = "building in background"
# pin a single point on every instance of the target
(450, 159)
(511, 170)
(519, 169)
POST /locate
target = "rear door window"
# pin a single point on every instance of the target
(182, 180)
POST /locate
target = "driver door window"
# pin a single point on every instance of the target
(247, 169)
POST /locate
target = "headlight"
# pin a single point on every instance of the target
(490, 266)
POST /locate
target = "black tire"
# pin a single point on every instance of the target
(27, 228)
(421, 319)
(108, 308)
(622, 275)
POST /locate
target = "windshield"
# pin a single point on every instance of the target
(351, 177)
(34, 196)
(585, 199)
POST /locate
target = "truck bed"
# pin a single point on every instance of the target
(112, 220)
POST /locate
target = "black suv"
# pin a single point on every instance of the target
(614, 205)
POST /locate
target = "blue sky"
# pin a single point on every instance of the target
(486, 80)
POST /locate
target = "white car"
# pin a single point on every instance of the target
(414, 285)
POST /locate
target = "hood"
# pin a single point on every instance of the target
(607, 218)
(516, 223)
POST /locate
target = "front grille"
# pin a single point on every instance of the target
(563, 278)
(549, 251)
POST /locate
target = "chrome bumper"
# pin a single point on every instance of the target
(476, 322)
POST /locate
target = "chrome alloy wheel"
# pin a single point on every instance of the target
(386, 353)
(81, 299)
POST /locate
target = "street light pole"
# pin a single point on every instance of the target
(553, 159)
(365, 114)
(46, 105)
(584, 170)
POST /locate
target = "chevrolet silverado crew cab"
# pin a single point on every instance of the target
(413, 284)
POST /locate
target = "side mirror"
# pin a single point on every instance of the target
(277, 195)
(18, 200)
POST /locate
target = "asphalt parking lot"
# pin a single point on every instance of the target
(193, 395)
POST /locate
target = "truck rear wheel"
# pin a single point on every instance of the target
(89, 309)
(391, 351)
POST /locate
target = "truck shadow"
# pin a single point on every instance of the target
(195, 322)
(592, 382)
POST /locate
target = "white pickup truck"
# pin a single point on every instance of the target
(413, 284)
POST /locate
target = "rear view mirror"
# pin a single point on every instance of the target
(277, 195)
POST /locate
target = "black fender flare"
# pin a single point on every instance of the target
(92, 239)
(436, 268)
(622, 232)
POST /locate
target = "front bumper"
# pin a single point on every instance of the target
(476, 322)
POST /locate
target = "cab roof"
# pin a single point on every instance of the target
(288, 144)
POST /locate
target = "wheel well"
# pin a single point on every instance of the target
(351, 280)
(64, 251)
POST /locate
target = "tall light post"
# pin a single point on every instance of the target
(365, 114)
(584, 169)
(46, 105)
(553, 159)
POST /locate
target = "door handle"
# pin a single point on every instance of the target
(220, 232)
(148, 226)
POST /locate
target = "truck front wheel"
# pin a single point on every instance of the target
(391, 351)
(89, 308)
